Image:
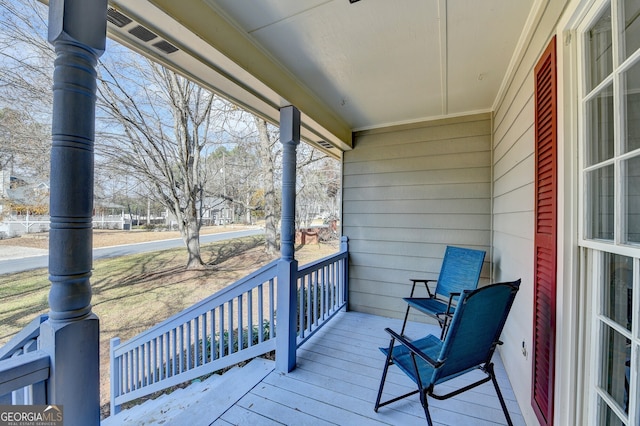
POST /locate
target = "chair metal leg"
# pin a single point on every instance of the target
(425, 406)
(406, 316)
(423, 392)
(444, 323)
(384, 376)
(489, 369)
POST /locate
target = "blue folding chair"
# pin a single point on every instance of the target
(460, 271)
(473, 336)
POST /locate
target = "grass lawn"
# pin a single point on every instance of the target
(133, 293)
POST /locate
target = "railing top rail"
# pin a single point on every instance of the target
(31, 331)
(23, 370)
(342, 254)
(263, 274)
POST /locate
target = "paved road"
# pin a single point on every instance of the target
(34, 262)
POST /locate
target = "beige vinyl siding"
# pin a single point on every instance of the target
(513, 204)
(408, 192)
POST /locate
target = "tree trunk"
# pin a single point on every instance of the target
(271, 245)
(190, 231)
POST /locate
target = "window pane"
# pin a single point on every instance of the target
(600, 201)
(600, 137)
(631, 34)
(615, 354)
(632, 102)
(632, 193)
(617, 294)
(606, 416)
(599, 45)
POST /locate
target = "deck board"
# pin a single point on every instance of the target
(337, 377)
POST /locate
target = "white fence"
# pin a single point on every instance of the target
(30, 224)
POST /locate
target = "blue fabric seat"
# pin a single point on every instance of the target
(473, 336)
(460, 271)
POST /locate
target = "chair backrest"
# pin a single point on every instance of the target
(460, 270)
(475, 329)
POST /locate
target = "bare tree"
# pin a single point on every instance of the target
(235, 177)
(167, 123)
(154, 133)
(317, 192)
(22, 144)
(25, 89)
(266, 148)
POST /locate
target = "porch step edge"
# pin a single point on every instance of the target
(214, 403)
(197, 402)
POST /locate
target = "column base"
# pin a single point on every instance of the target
(74, 382)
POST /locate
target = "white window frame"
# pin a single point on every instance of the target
(592, 274)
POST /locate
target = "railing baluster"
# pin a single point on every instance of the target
(204, 339)
(161, 361)
(141, 355)
(230, 327)
(136, 366)
(316, 297)
(261, 314)
(250, 318)
(336, 280)
(214, 346)
(301, 294)
(325, 289)
(307, 291)
(181, 349)
(272, 328)
(125, 375)
(174, 352)
(342, 280)
(147, 361)
(154, 360)
(188, 345)
(329, 290)
(221, 338)
(196, 342)
(240, 325)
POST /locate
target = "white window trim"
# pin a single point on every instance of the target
(584, 347)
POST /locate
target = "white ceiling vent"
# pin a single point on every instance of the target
(142, 33)
(117, 18)
(127, 25)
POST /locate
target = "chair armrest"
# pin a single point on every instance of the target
(426, 285)
(450, 303)
(407, 343)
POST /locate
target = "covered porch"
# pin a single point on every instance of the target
(429, 106)
(335, 382)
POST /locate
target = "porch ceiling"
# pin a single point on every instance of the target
(345, 66)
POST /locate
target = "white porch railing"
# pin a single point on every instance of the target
(23, 368)
(322, 292)
(231, 326)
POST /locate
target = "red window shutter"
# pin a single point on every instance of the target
(544, 327)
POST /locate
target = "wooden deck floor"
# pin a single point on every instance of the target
(336, 382)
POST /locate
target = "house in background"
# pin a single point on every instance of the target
(24, 205)
(19, 194)
(509, 126)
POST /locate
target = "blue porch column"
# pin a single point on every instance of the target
(286, 326)
(77, 30)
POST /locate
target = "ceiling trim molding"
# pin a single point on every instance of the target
(424, 119)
